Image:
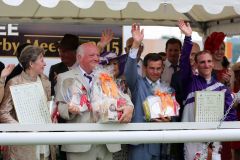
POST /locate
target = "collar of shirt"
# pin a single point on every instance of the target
(83, 72)
(168, 63)
(209, 80)
(150, 82)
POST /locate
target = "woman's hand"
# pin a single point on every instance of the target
(7, 70)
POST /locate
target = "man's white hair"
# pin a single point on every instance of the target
(80, 49)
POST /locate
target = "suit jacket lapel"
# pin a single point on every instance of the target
(148, 86)
(81, 79)
(63, 68)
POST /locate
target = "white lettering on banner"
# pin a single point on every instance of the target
(13, 30)
(2, 28)
(9, 30)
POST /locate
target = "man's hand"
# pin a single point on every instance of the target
(226, 78)
(127, 114)
(106, 38)
(73, 109)
(185, 28)
(137, 35)
(7, 70)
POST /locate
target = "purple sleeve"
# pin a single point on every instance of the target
(185, 67)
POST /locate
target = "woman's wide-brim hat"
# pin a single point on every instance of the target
(107, 57)
(214, 41)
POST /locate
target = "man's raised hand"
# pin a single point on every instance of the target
(137, 35)
(185, 27)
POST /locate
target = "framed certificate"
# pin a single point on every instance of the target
(30, 103)
(209, 106)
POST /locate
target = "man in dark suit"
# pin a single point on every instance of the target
(176, 81)
(1, 66)
(67, 52)
(54, 71)
(18, 69)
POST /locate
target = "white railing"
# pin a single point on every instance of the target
(90, 133)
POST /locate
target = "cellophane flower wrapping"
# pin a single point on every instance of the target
(75, 94)
(105, 96)
(161, 103)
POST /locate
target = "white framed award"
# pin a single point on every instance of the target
(30, 103)
(209, 106)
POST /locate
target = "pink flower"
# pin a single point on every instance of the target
(84, 100)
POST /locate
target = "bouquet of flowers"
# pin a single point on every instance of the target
(74, 93)
(106, 97)
(161, 103)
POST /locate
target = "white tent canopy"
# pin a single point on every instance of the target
(205, 15)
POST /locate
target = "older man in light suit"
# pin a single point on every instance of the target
(88, 58)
